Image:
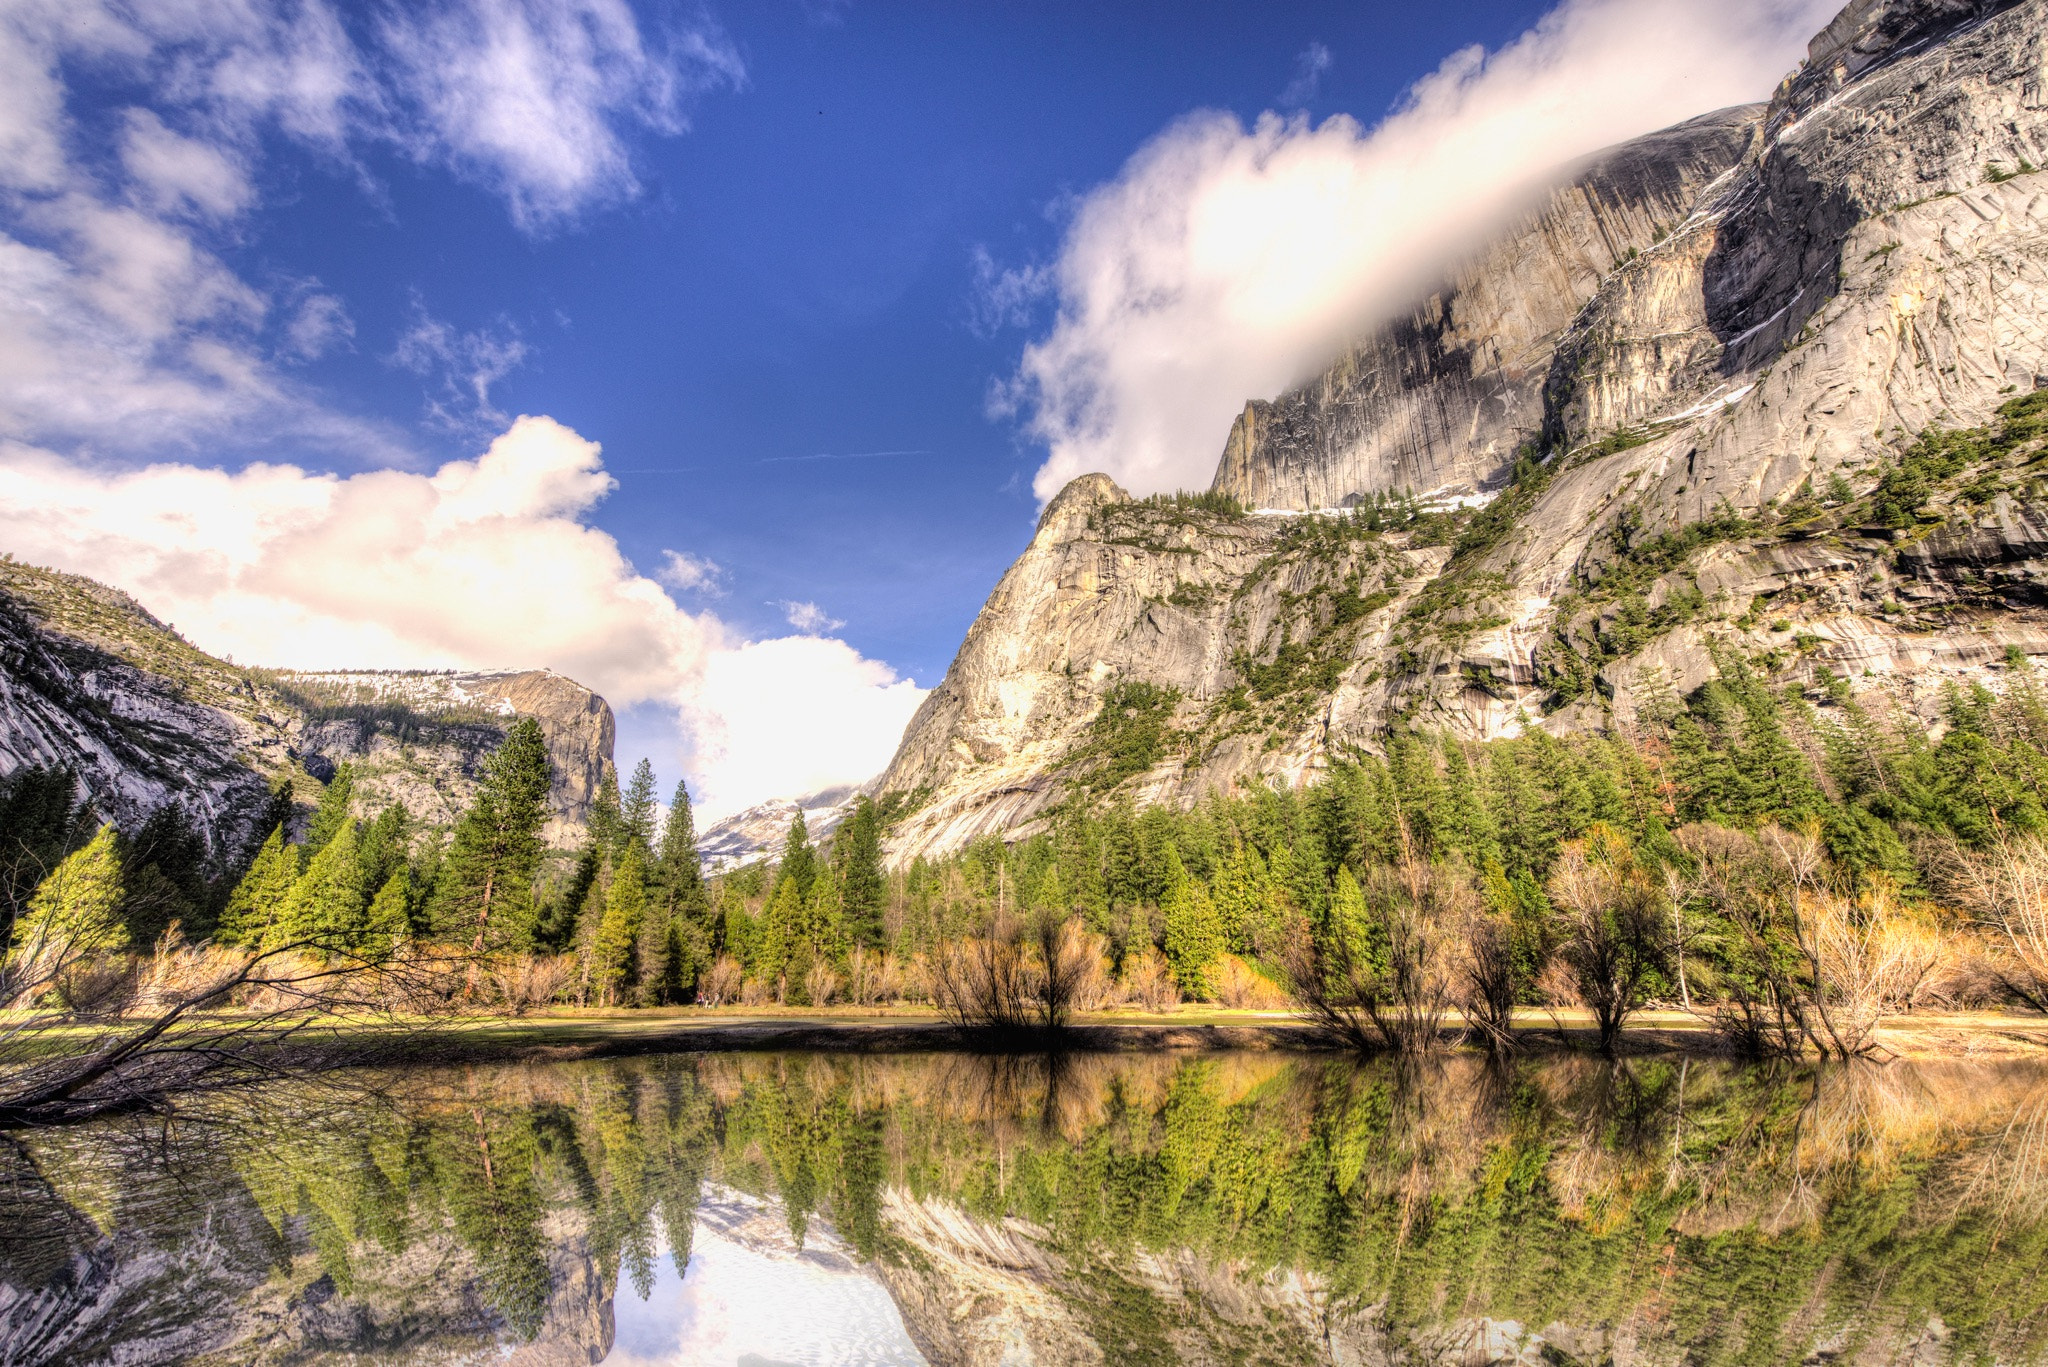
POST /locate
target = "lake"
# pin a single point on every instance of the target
(758, 1209)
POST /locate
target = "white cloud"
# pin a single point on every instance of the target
(177, 175)
(120, 324)
(687, 573)
(318, 325)
(1004, 297)
(464, 364)
(485, 562)
(1225, 263)
(809, 618)
(787, 717)
(1309, 65)
(527, 96)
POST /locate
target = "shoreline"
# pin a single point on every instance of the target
(568, 1035)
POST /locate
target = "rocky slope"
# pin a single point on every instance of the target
(1714, 422)
(89, 678)
(1443, 398)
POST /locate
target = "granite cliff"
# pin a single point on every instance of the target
(88, 678)
(1692, 408)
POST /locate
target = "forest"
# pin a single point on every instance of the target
(1788, 863)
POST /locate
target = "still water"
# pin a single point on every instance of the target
(763, 1209)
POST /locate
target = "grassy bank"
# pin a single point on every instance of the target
(571, 1032)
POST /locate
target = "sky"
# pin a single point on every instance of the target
(720, 357)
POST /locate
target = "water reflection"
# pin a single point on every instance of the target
(1233, 1208)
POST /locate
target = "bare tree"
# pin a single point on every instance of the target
(1386, 982)
(1614, 939)
(1486, 980)
(2005, 890)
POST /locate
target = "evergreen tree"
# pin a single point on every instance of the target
(383, 845)
(330, 814)
(1193, 939)
(257, 903)
(782, 928)
(387, 925)
(77, 909)
(606, 822)
(1349, 935)
(327, 903)
(484, 892)
(618, 932)
(681, 874)
(42, 819)
(164, 868)
(857, 853)
(799, 861)
(637, 810)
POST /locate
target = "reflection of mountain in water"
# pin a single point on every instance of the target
(1131, 1210)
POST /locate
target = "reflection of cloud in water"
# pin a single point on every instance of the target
(753, 1299)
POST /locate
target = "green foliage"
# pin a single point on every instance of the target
(331, 814)
(326, 905)
(618, 933)
(255, 909)
(1940, 456)
(857, 863)
(77, 909)
(42, 819)
(484, 892)
(1132, 732)
(1193, 939)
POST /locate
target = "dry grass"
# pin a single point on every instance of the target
(1241, 987)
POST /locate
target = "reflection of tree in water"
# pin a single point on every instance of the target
(1729, 1214)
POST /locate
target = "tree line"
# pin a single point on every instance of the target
(1789, 861)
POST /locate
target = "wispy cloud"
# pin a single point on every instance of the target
(1309, 65)
(1226, 262)
(531, 98)
(687, 573)
(463, 366)
(1005, 296)
(809, 618)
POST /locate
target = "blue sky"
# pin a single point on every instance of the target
(816, 276)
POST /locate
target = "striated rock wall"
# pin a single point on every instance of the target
(1873, 264)
(89, 678)
(1443, 398)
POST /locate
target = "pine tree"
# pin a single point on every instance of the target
(857, 852)
(799, 861)
(1350, 936)
(165, 869)
(682, 874)
(387, 925)
(625, 905)
(327, 903)
(655, 946)
(637, 809)
(1193, 939)
(77, 909)
(256, 905)
(42, 819)
(484, 893)
(606, 821)
(330, 814)
(781, 931)
(383, 845)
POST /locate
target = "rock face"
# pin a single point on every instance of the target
(377, 722)
(1736, 327)
(89, 678)
(1443, 398)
